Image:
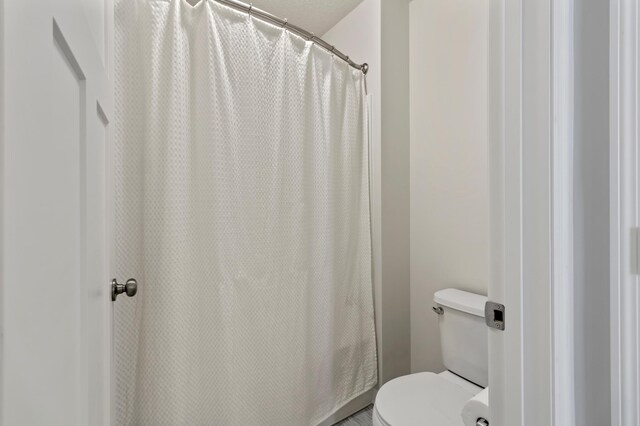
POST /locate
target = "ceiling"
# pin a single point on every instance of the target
(316, 16)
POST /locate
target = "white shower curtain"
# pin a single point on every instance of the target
(242, 207)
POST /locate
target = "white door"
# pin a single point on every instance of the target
(56, 308)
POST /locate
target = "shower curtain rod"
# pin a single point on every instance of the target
(266, 16)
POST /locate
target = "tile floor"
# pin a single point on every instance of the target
(361, 418)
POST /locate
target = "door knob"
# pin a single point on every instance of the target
(131, 288)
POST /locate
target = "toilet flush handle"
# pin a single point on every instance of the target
(438, 310)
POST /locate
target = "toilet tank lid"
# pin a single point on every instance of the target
(464, 301)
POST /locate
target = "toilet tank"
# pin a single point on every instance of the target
(463, 334)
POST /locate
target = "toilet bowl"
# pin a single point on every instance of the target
(437, 399)
(423, 399)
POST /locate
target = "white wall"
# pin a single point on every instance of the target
(449, 157)
(376, 32)
(591, 203)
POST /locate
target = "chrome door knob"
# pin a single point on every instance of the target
(131, 288)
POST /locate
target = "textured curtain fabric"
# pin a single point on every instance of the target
(242, 207)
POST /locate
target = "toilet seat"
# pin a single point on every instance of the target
(423, 399)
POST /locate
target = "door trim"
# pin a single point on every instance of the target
(505, 117)
(562, 210)
(624, 211)
(2, 202)
(531, 137)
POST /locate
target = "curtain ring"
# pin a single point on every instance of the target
(250, 7)
(284, 24)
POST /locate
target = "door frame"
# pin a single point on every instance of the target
(624, 211)
(2, 203)
(531, 155)
(562, 324)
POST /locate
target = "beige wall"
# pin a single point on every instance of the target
(449, 155)
(430, 196)
(396, 348)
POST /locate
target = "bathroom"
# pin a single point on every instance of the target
(318, 212)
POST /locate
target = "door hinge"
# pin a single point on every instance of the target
(494, 315)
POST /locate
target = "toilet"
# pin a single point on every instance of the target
(437, 399)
